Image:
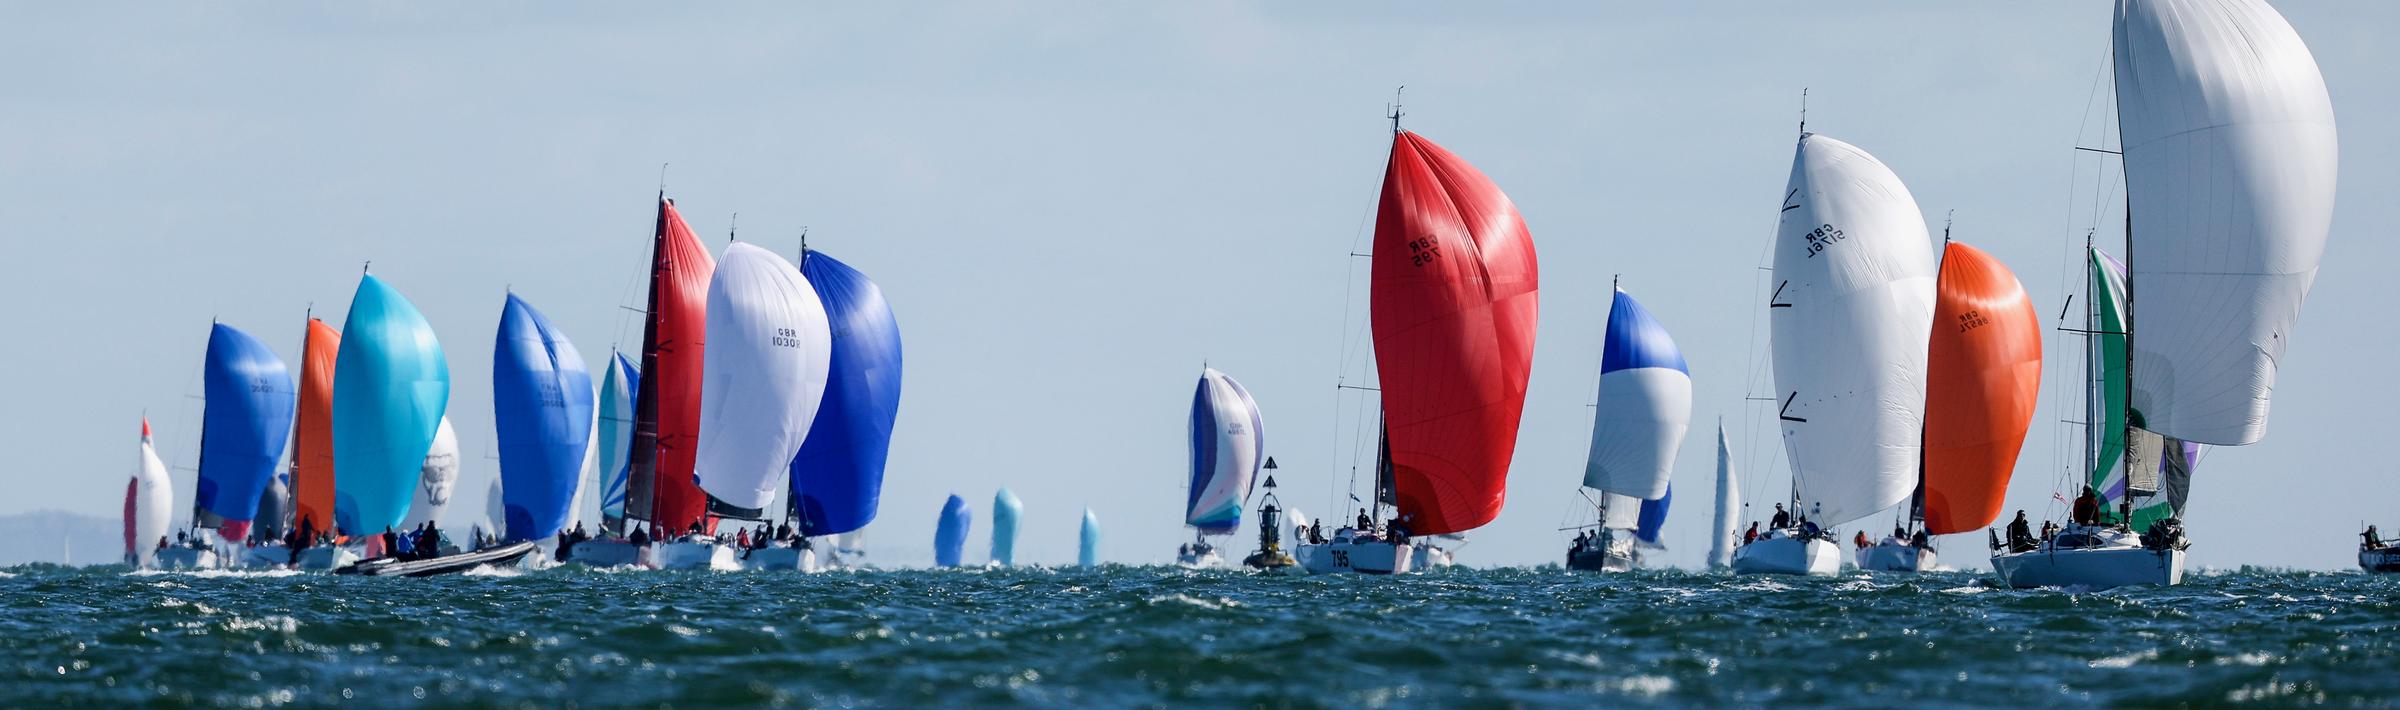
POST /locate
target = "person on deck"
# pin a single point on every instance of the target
(2020, 534)
(1781, 520)
(1861, 540)
(1365, 524)
(2369, 540)
(695, 527)
(741, 538)
(402, 548)
(784, 531)
(1752, 535)
(2087, 507)
(1920, 541)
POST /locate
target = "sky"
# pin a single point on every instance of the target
(1073, 206)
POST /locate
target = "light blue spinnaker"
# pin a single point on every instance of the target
(950, 532)
(247, 420)
(542, 411)
(837, 478)
(1006, 509)
(616, 438)
(1088, 550)
(390, 388)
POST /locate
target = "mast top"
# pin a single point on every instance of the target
(1393, 111)
(1804, 111)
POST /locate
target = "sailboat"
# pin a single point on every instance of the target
(149, 505)
(437, 478)
(764, 377)
(1006, 509)
(391, 386)
(542, 404)
(837, 478)
(1643, 408)
(614, 440)
(267, 548)
(245, 423)
(1228, 444)
(1453, 297)
(2230, 153)
(1983, 378)
(950, 532)
(1087, 547)
(666, 411)
(1850, 310)
(312, 454)
(1729, 506)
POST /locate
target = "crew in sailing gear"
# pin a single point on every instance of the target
(2020, 534)
(1860, 540)
(2087, 507)
(1752, 536)
(1365, 524)
(1920, 541)
(2369, 540)
(1781, 520)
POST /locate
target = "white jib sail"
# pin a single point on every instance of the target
(1729, 505)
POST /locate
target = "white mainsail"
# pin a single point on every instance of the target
(1729, 506)
(769, 348)
(1852, 302)
(438, 478)
(2230, 160)
(150, 503)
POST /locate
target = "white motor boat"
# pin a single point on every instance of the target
(327, 558)
(1782, 552)
(2090, 557)
(186, 557)
(610, 552)
(1199, 555)
(1896, 555)
(697, 552)
(1351, 552)
(781, 557)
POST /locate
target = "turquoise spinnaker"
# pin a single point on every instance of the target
(390, 388)
(1005, 511)
(1088, 552)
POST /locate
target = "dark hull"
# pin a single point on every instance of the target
(447, 564)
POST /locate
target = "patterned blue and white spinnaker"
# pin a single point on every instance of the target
(1644, 405)
(1228, 444)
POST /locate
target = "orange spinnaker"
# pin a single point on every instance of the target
(1983, 375)
(312, 449)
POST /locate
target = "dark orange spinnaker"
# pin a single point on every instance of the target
(1983, 375)
(312, 447)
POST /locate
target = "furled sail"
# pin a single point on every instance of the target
(1006, 510)
(437, 478)
(542, 414)
(615, 437)
(243, 429)
(837, 480)
(1644, 405)
(391, 387)
(666, 422)
(1983, 379)
(2230, 159)
(1453, 299)
(1087, 549)
(312, 434)
(1729, 505)
(766, 367)
(149, 501)
(1653, 518)
(1228, 444)
(1851, 304)
(950, 532)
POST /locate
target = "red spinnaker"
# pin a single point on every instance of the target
(666, 427)
(1452, 304)
(133, 488)
(1983, 376)
(312, 447)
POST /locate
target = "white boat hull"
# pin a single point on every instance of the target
(1425, 558)
(1364, 557)
(605, 552)
(2089, 568)
(1788, 555)
(1204, 559)
(1888, 557)
(2383, 560)
(690, 553)
(327, 558)
(179, 557)
(275, 556)
(791, 559)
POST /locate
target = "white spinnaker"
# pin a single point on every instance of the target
(2230, 159)
(1233, 435)
(1639, 422)
(1729, 505)
(1852, 304)
(762, 377)
(153, 502)
(437, 479)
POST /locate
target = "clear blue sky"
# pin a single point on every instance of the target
(1070, 206)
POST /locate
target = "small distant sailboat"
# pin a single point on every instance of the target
(1452, 301)
(1087, 552)
(1005, 511)
(1850, 310)
(149, 505)
(1729, 507)
(614, 442)
(1228, 442)
(1643, 409)
(837, 478)
(764, 378)
(247, 419)
(391, 387)
(542, 408)
(950, 532)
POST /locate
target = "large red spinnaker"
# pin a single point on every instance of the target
(312, 445)
(1983, 376)
(666, 426)
(1452, 304)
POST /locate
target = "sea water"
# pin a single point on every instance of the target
(1118, 636)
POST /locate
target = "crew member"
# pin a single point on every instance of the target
(1781, 520)
(2020, 534)
(2087, 507)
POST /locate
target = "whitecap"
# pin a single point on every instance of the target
(2125, 661)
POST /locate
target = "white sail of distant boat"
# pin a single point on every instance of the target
(769, 348)
(438, 478)
(495, 509)
(149, 504)
(2230, 159)
(1088, 548)
(1729, 506)
(1852, 302)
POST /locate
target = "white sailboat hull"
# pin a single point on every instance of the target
(275, 556)
(699, 552)
(327, 558)
(604, 552)
(789, 559)
(1200, 560)
(1362, 556)
(2118, 561)
(1889, 557)
(1427, 557)
(180, 557)
(2383, 560)
(1787, 555)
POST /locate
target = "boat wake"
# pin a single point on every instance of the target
(213, 573)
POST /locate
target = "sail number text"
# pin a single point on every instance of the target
(786, 338)
(1423, 251)
(1821, 237)
(1971, 320)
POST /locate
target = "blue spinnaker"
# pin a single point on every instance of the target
(542, 409)
(1006, 509)
(838, 475)
(950, 533)
(1653, 517)
(390, 388)
(247, 421)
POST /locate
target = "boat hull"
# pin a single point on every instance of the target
(1363, 557)
(787, 559)
(1202, 559)
(502, 556)
(181, 557)
(1788, 555)
(1601, 558)
(1889, 557)
(702, 553)
(275, 556)
(326, 558)
(2386, 560)
(1274, 561)
(2093, 568)
(609, 553)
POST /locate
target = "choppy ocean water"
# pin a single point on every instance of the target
(1121, 636)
